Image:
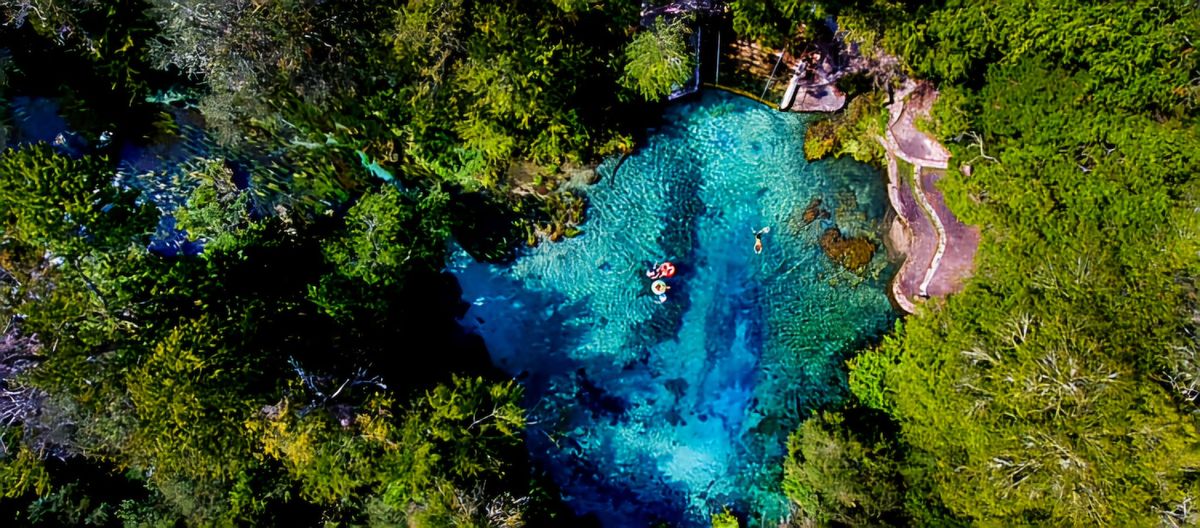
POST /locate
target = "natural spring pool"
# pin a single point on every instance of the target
(645, 412)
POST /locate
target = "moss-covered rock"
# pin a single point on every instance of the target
(852, 253)
(819, 139)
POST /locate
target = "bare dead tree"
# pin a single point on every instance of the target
(64, 15)
(18, 353)
(1182, 515)
(976, 141)
(324, 391)
(1181, 373)
(1180, 368)
(45, 429)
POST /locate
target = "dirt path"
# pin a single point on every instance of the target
(957, 261)
(939, 249)
(912, 234)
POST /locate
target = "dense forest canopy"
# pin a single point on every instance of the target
(299, 368)
(1058, 388)
(268, 339)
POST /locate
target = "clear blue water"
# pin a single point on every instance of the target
(646, 412)
(37, 120)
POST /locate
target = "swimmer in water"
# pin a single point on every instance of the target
(665, 270)
(659, 289)
(758, 239)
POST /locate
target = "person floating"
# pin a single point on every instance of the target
(659, 288)
(665, 270)
(758, 239)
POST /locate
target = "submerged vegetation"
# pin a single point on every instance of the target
(270, 340)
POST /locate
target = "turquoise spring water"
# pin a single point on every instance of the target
(645, 412)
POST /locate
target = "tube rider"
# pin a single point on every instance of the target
(665, 270)
(659, 287)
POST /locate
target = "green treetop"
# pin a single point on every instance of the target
(387, 232)
(67, 206)
(657, 61)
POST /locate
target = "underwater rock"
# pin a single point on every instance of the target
(677, 386)
(814, 211)
(798, 221)
(852, 253)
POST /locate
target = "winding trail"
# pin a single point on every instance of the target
(936, 262)
(921, 207)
